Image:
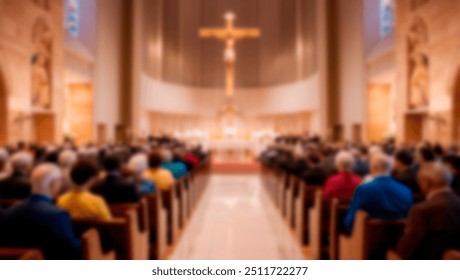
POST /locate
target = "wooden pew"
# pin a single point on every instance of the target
(171, 205)
(338, 211)
(449, 255)
(288, 194)
(142, 233)
(452, 255)
(186, 199)
(6, 202)
(158, 227)
(308, 199)
(321, 221)
(298, 188)
(92, 248)
(181, 197)
(283, 180)
(319, 226)
(20, 254)
(370, 239)
(294, 200)
(120, 234)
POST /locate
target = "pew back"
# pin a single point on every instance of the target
(118, 234)
(20, 254)
(92, 248)
(141, 231)
(371, 238)
(338, 211)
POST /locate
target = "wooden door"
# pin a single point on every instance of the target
(81, 111)
(43, 128)
(415, 128)
(378, 111)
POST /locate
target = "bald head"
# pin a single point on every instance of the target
(434, 176)
(380, 164)
(46, 180)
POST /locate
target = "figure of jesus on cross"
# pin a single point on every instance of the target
(230, 35)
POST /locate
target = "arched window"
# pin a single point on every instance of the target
(387, 8)
(72, 17)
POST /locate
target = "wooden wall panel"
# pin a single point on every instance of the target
(285, 53)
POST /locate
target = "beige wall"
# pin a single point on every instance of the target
(349, 92)
(303, 96)
(108, 68)
(443, 49)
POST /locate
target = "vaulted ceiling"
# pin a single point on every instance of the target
(285, 53)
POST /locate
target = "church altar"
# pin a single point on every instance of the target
(233, 150)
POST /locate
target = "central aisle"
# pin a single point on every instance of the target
(236, 220)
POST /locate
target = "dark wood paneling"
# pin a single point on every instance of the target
(287, 25)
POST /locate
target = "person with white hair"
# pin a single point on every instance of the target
(138, 165)
(38, 223)
(17, 185)
(5, 169)
(343, 184)
(433, 226)
(67, 159)
(383, 197)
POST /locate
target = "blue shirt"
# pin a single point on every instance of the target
(382, 198)
(38, 223)
(177, 168)
(147, 187)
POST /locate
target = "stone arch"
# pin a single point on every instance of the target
(418, 65)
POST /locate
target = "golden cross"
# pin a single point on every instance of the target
(230, 35)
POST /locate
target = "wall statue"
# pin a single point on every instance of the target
(418, 66)
(41, 66)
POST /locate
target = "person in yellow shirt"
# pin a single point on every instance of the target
(162, 177)
(79, 201)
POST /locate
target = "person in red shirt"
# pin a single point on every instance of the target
(191, 159)
(343, 184)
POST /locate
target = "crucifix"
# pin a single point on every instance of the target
(229, 34)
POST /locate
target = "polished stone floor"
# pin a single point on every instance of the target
(236, 220)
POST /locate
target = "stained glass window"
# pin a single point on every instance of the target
(387, 8)
(72, 17)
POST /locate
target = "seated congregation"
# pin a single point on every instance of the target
(347, 201)
(110, 202)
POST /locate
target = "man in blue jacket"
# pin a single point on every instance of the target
(383, 197)
(38, 223)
